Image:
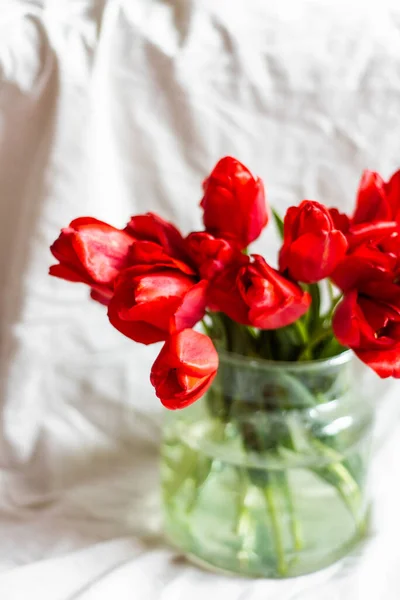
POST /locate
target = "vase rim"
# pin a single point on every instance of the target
(304, 365)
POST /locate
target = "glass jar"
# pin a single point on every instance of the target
(266, 475)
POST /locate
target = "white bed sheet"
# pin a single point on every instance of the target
(115, 107)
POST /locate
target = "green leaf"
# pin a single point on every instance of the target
(332, 347)
(318, 338)
(278, 223)
(315, 308)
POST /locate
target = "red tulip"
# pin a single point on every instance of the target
(234, 203)
(370, 232)
(91, 252)
(377, 212)
(340, 220)
(379, 258)
(258, 295)
(224, 293)
(150, 253)
(184, 369)
(312, 246)
(210, 255)
(358, 233)
(377, 200)
(378, 208)
(372, 200)
(151, 301)
(152, 228)
(367, 320)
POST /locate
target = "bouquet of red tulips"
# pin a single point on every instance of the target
(159, 284)
(336, 285)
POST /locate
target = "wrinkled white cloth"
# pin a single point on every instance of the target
(114, 107)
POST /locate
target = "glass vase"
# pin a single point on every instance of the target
(266, 475)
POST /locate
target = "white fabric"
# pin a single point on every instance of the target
(110, 108)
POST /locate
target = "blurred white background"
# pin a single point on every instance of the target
(115, 107)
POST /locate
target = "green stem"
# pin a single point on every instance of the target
(264, 345)
(334, 471)
(269, 495)
(199, 465)
(201, 471)
(216, 329)
(235, 337)
(321, 337)
(301, 330)
(294, 523)
(244, 526)
(207, 328)
(278, 222)
(331, 348)
(315, 308)
(339, 476)
(331, 292)
(334, 302)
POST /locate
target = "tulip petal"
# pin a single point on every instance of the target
(340, 220)
(151, 227)
(102, 296)
(370, 232)
(139, 331)
(224, 295)
(145, 253)
(103, 252)
(93, 250)
(164, 299)
(281, 316)
(372, 204)
(210, 254)
(184, 399)
(392, 189)
(191, 309)
(385, 364)
(349, 323)
(315, 256)
(157, 313)
(363, 264)
(195, 351)
(80, 221)
(161, 284)
(64, 272)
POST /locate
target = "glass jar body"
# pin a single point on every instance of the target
(266, 475)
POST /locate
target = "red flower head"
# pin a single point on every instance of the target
(91, 252)
(312, 246)
(377, 211)
(256, 294)
(150, 253)
(210, 255)
(234, 203)
(369, 260)
(340, 220)
(367, 320)
(151, 301)
(152, 228)
(377, 200)
(184, 369)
